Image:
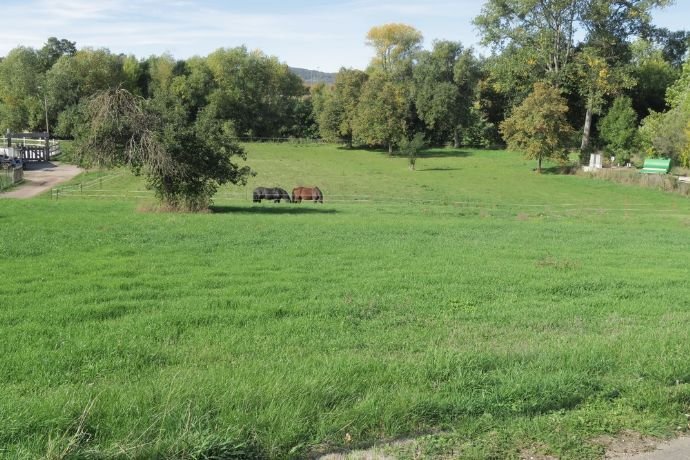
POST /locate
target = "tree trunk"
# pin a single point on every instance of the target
(456, 138)
(390, 148)
(587, 130)
(539, 164)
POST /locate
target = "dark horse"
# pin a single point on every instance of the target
(306, 193)
(275, 194)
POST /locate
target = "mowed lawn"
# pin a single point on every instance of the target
(473, 304)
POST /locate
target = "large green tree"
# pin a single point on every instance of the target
(618, 129)
(54, 49)
(653, 75)
(444, 88)
(668, 134)
(538, 127)
(538, 38)
(380, 116)
(337, 106)
(383, 109)
(596, 79)
(538, 33)
(252, 90)
(74, 78)
(21, 98)
(395, 45)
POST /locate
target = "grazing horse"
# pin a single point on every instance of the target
(275, 194)
(306, 193)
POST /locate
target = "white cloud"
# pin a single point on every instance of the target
(82, 10)
(324, 35)
(417, 8)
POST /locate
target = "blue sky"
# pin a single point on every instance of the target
(315, 34)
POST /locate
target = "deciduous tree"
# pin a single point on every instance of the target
(380, 117)
(21, 102)
(653, 75)
(444, 88)
(618, 129)
(395, 45)
(668, 134)
(54, 49)
(596, 79)
(538, 127)
(184, 156)
(337, 106)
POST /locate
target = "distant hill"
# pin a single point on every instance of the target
(311, 77)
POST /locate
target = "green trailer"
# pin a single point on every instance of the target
(656, 166)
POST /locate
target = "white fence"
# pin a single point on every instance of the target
(30, 149)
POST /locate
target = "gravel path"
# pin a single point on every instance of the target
(41, 177)
(625, 446)
(676, 449)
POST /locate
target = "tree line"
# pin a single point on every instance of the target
(562, 75)
(621, 64)
(253, 92)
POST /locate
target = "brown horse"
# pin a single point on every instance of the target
(306, 193)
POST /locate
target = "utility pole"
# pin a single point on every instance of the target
(46, 149)
(45, 103)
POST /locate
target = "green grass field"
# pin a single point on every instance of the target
(474, 304)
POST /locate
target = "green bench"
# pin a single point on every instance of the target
(656, 166)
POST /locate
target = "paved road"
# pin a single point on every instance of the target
(41, 177)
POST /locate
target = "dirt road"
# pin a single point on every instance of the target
(40, 177)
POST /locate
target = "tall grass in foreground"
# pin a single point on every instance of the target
(662, 182)
(285, 330)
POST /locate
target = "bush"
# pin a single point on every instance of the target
(412, 147)
(480, 132)
(665, 134)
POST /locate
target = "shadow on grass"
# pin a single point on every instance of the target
(559, 170)
(345, 148)
(258, 209)
(430, 153)
(444, 153)
(438, 169)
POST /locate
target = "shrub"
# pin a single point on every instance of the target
(411, 147)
